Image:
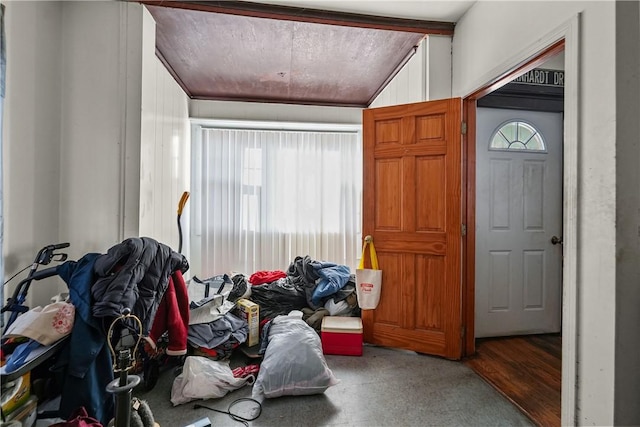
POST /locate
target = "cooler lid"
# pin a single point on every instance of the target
(341, 324)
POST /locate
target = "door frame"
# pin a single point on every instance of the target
(564, 38)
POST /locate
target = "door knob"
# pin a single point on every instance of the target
(556, 241)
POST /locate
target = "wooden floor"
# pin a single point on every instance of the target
(527, 370)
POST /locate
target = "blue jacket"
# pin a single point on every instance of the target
(332, 278)
(85, 362)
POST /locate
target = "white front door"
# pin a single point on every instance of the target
(518, 222)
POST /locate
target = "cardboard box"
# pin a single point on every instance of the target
(341, 335)
(250, 311)
(15, 393)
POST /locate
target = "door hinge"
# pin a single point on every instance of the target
(464, 229)
(463, 128)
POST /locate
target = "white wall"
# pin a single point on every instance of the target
(438, 67)
(485, 38)
(31, 134)
(425, 77)
(101, 87)
(410, 84)
(201, 109)
(165, 148)
(72, 134)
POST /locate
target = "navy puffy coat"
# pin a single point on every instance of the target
(134, 274)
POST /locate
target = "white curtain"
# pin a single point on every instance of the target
(267, 196)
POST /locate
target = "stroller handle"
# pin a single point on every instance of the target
(59, 246)
(44, 257)
(46, 254)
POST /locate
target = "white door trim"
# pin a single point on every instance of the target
(569, 31)
(570, 224)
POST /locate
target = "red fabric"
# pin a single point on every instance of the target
(264, 322)
(245, 371)
(260, 277)
(79, 418)
(172, 316)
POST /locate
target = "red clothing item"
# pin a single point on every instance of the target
(79, 418)
(245, 371)
(260, 277)
(172, 316)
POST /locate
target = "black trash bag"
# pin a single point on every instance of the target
(279, 297)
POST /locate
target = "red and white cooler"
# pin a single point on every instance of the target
(341, 335)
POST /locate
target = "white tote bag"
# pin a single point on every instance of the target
(368, 280)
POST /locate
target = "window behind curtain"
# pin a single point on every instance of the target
(263, 197)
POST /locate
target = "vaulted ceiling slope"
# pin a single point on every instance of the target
(249, 51)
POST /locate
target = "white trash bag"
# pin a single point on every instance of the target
(203, 378)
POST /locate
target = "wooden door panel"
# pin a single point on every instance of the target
(388, 131)
(430, 128)
(409, 150)
(431, 343)
(388, 180)
(390, 313)
(431, 268)
(430, 200)
(412, 208)
(410, 243)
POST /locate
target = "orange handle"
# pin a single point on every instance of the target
(183, 201)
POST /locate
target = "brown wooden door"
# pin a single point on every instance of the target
(412, 209)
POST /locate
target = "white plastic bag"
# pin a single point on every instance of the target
(45, 325)
(293, 362)
(340, 308)
(368, 280)
(203, 378)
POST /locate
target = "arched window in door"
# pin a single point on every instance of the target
(517, 135)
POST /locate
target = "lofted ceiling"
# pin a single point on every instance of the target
(306, 52)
